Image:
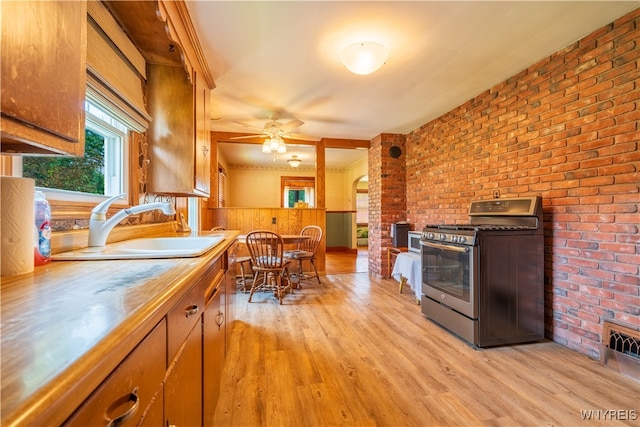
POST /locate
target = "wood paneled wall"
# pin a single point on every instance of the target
(287, 221)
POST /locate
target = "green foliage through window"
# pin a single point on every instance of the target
(295, 196)
(85, 174)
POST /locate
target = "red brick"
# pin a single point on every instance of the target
(623, 289)
(598, 162)
(598, 255)
(595, 70)
(584, 191)
(600, 181)
(633, 116)
(618, 129)
(622, 189)
(632, 320)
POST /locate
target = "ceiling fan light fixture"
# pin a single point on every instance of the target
(282, 148)
(273, 144)
(294, 161)
(364, 57)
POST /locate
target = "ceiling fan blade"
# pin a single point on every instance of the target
(248, 136)
(245, 125)
(291, 125)
(301, 137)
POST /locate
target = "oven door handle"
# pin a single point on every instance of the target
(445, 247)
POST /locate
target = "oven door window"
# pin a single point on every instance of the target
(446, 268)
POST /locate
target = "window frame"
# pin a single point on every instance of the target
(66, 203)
(284, 184)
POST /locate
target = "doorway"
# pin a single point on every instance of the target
(361, 201)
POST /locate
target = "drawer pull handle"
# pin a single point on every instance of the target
(133, 397)
(191, 310)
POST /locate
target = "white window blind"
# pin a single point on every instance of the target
(115, 69)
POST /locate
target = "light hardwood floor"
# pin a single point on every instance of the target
(354, 352)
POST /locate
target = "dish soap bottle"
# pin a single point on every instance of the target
(42, 236)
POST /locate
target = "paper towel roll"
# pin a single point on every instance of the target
(17, 222)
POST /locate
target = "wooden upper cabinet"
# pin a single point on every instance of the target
(179, 85)
(179, 147)
(43, 76)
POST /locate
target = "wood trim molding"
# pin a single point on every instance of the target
(296, 179)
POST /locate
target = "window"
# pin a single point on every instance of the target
(297, 189)
(362, 206)
(102, 170)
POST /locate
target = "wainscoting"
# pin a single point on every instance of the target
(280, 220)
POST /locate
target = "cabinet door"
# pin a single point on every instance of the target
(202, 109)
(179, 134)
(171, 145)
(214, 352)
(183, 316)
(130, 388)
(43, 76)
(232, 290)
(183, 383)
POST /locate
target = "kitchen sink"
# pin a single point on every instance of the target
(151, 247)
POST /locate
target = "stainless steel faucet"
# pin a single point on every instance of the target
(100, 227)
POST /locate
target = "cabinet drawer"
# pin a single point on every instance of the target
(130, 388)
(183, 316)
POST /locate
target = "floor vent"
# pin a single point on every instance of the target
(620, 349)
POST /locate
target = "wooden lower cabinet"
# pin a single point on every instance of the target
(213, 341)
(232, 290)
(172, 377)
(183, 383)
(130, 389)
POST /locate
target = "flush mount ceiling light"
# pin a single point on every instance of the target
(294, 161)
(364, 57)
(274, 145)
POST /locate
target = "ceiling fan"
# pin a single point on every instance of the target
(274, 129)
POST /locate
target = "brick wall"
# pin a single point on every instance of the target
(566, 129)
(387, 197)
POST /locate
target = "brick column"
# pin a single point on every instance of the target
(387, 197)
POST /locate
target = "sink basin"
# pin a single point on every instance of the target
(153, 247)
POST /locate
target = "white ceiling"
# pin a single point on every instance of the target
(268, 56)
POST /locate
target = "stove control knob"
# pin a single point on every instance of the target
(443, 237)
(462, 239)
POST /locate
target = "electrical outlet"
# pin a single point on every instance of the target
(273, 220)
(496, 194)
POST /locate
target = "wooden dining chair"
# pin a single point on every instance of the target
(306, 250)
(244, 262)
(268, 263)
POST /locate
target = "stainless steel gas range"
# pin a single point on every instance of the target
(484, 281)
